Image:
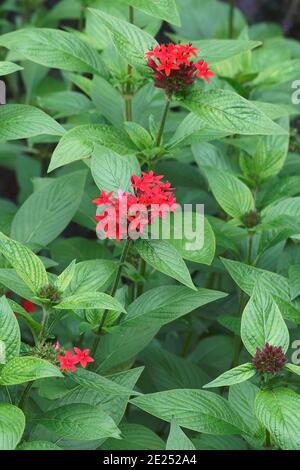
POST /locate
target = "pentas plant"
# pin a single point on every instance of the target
(88, 306)
(125, 213)
(175, 67)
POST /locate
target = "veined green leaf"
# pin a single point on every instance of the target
(162, 256)
(233, 376)
(89, 300)
(101, 384)
(12, 424)
(38, 445)
(111, 171)
(177, 440)
(20, 121)
(27, 265)
(279, 411)
(54, 49)
(262, 323)
(80, 422)
(26, 368)
(9, 332)
(64, 279)
(8, 67)
(48, 211)
(193, 409)
(130, 41)
(164, 304)
(163, 9)
(79, 143)
(227, 111)
(232, 194)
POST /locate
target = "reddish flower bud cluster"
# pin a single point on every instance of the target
(126, 213)
(270, 359)
(69, 360)
(173, 69)
(29, 306)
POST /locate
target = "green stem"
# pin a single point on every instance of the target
(142, 270)
(237, 344)
(268, 444)
(25, 395)
(128, 88)
(250, 248)
(231, 19)
(112, 293)
(162, 123)
(44, 325)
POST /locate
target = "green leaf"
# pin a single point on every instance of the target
(100, 384)
(20, 121)
(278, 73)
(135, 437)
(8, 67)
(164, 304)
(38, 445)
(279, 411)
(79, 143)
(80, 422)
(262, 323)
(89, 300)
(163, 9)
(139, 135)
(54, 49)
(168, 371)
(233, 376)
(162, 256)
(48, 211)
(63, 104)
(177, 440)
(242, 398)
(219, 50)
(294, 277)
(269, 158)
(108, 101)
(33, 324)
(12, 424)
(197, 241)
(10, 279)
(130, 41)
(27, 265)
(247, 276)
(227, 111)
(231, 322)
(64, 279)
(111, 171)
(193, 409)
(292, 368)
(92, 275)
(9, 331)
(233, 195)
(26, 368)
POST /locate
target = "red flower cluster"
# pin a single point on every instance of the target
(69, 360)
(173, 69)
(28, 306)
(128, 213)
(270, 359)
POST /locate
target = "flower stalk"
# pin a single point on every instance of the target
(112, 293)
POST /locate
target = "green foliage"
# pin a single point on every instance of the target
(111, 344)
